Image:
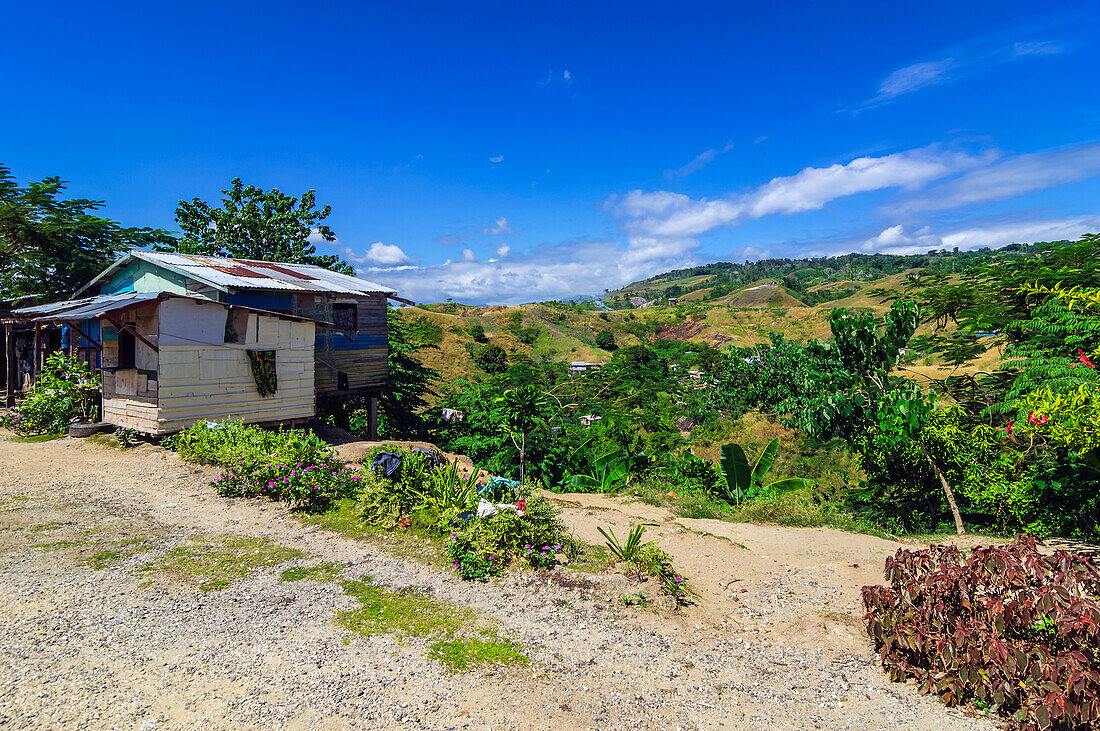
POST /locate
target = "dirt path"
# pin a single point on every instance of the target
(772, 644)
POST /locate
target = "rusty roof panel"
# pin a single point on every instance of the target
(248, 274)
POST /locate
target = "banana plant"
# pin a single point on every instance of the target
(746, 483)
(608, 472)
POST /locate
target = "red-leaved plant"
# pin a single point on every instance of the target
(1008, 628)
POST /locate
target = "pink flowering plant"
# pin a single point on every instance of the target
(305, 485)
(468, 563)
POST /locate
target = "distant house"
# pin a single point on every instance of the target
(589, 419)
(137, 318)
(580, 366)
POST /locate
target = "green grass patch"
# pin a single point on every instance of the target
(464, 653)
(58, 545)
(44, 527)
(111, 556)
(592, 559)
(37, 438)
(406, 612)
(345, 516)
(325, 571)
(217, 564)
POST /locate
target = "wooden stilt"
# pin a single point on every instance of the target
(12, 366)
(372, 418)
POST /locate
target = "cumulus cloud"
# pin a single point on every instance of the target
(562, 271)
(665, 214)
(503, 250)
(468, 255)
(895, 240)
(1009, 178)
(500, 227)
(378, 254)
(496, 158)
(699, 162)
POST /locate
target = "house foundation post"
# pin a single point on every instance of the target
(372, 417)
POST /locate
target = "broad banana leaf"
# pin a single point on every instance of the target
(765, 461)
(734, 466)
(784, 486)
(584, 482)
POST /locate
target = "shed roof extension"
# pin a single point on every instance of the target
(104, 305)
(226, 274)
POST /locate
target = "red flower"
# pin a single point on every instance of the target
(1082, 358)
(1036, 419)
(1008, 428)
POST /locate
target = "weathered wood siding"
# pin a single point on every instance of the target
(362, 355)
(204, 378)
(130, 395)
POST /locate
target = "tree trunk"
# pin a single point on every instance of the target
(522, 455)
(947, 491)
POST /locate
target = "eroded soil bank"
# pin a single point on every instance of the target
(93, 635)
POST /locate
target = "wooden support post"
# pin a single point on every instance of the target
(12, 365)
(372, 418)
(125, 326)
(36, 366)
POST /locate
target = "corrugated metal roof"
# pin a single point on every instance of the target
(87, 308)
(249, 274)
(93, 308)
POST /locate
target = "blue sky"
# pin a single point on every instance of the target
(513, 152)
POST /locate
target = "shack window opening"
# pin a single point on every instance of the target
(345, 316)
(127, 345)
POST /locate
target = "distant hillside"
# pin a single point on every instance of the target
(719, 304)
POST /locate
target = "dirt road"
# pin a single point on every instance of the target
(90, 637)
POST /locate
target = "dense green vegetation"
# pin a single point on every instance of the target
(1005, 450)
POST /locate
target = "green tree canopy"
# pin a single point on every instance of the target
(253, 223)
(49, 247)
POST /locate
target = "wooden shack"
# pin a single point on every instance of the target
(168, 360)
(349, 359)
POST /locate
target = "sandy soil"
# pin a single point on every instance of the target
(774, 641)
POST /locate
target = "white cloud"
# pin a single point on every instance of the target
(503, 250)
(894, 240)
(378, 254)
(496, 158)
(562, 271)
(915, 76)
(960, 61)
(665, 214)
(1009, 178)
(468, 255)
(501, 227)
(557, 78)
(1036, 48)
(699, 162)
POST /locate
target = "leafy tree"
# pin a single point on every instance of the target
(521, 410)
(253, 223)
(403, 401)
(857, 398)
(477, 332)
(605, 340)
(49, 247)
(491, 358)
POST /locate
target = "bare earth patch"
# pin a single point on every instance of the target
(105, 555)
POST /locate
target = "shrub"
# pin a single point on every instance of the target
(469, 563)
(477, 332)
(506, 535)
(65, 391)
(293, 465)
(303, 485)
(1007, 627)
(605, 340)
(491, 358)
